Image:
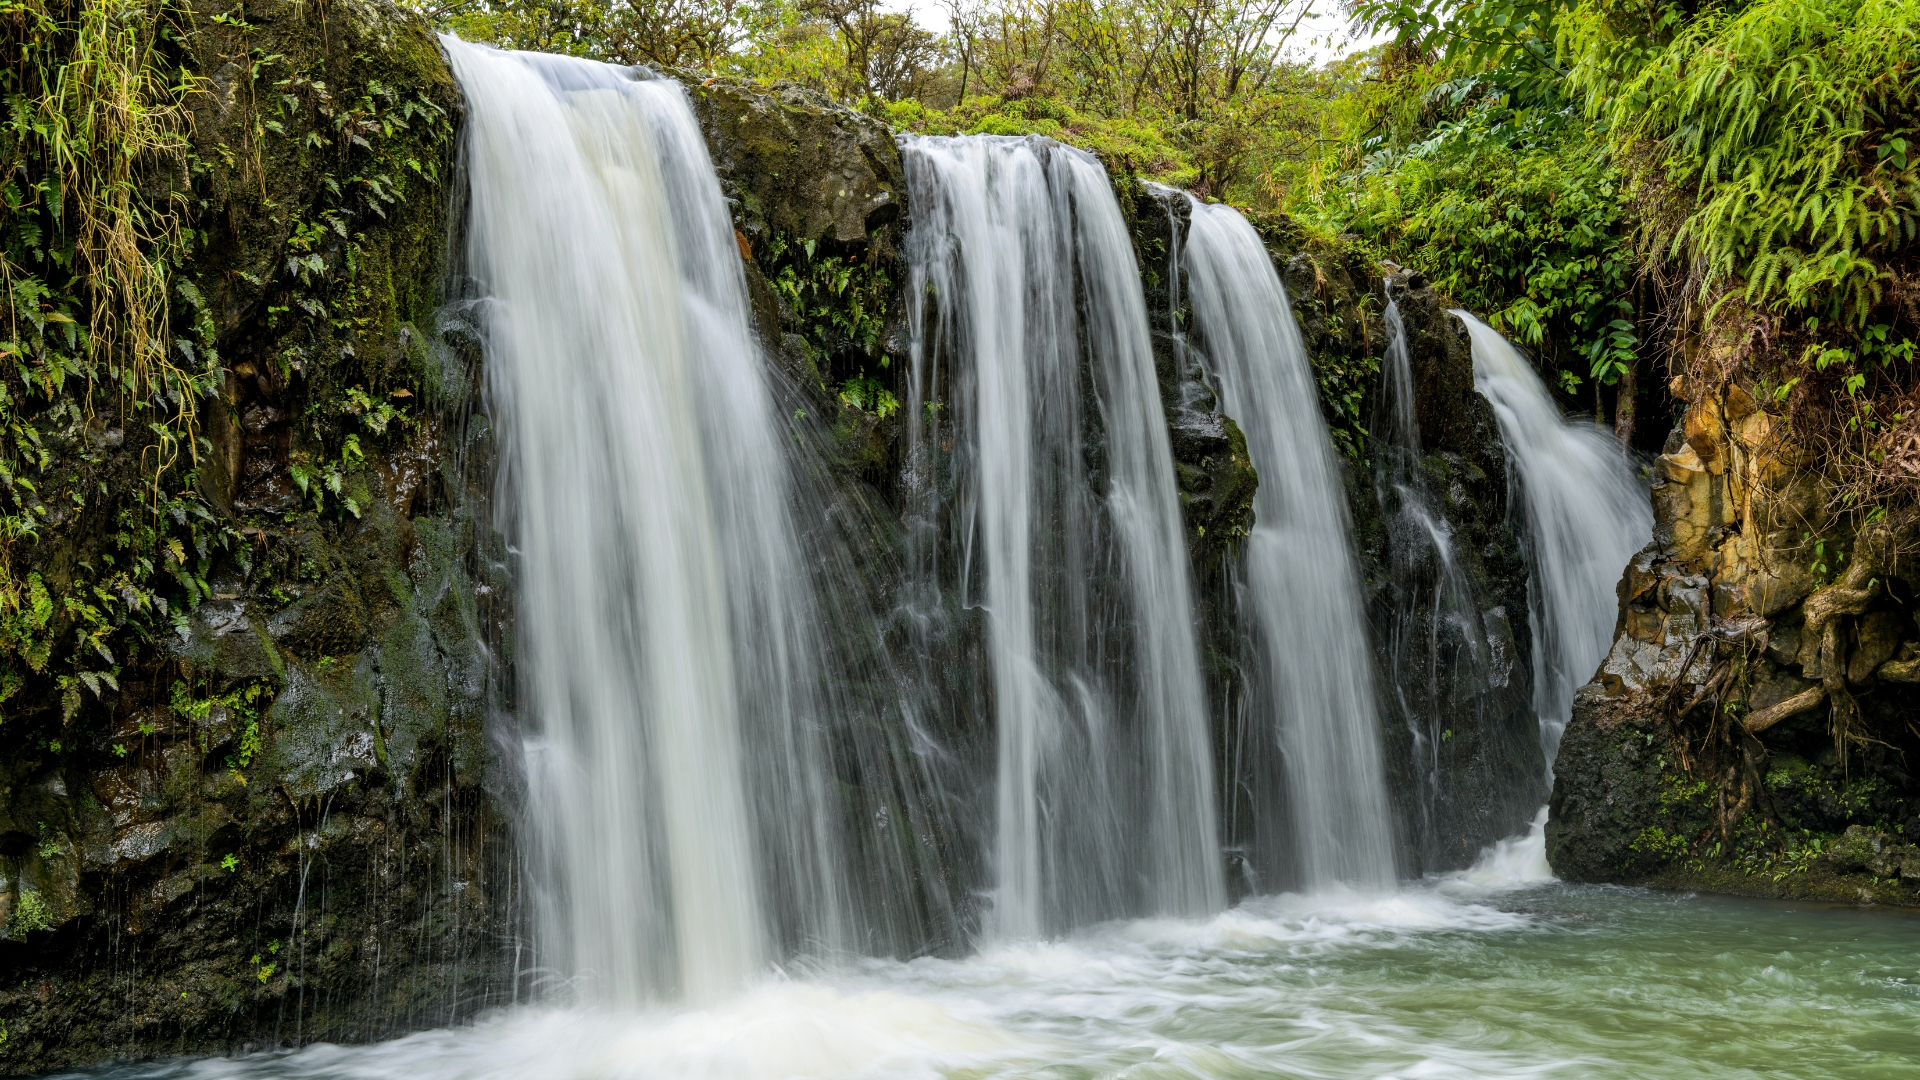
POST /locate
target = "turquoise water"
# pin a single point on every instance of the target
(1441, 979)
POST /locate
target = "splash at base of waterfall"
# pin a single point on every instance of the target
(1517, 862)
(1430, 981)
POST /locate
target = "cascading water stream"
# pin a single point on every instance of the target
(679, 816)
(1586, 516)
(1312, 675)
(1067, 530)
(1437, 638)
(1423, 574)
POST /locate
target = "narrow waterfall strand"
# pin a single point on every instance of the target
(1090, 764)
(1314, 673)
(1184, 875)
(1587, 514)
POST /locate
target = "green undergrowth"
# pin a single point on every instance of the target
(1346, 376)
(1783, 836)
(1513, 212)
(103, 542)
(131, 232)
(1730, 189)
(841, 303)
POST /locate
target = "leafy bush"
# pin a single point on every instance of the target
(1514, 212)
(30, 914)
(1787, 123)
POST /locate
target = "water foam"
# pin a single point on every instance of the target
(1518, 862)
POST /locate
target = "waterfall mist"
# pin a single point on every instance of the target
(1037, 434)
(1586, 516)
(1311, 678)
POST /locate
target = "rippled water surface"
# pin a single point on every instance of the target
(1445, 979)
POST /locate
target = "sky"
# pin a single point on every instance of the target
(1322, 37)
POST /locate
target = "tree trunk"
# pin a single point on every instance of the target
(1623, 410)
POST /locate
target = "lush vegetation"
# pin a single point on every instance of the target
(1749, 167)
(1203, 92)
(111, 372)
(93, 107)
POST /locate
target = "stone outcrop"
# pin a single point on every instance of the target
(1455, 672)
(1758, 701)
(818, 197)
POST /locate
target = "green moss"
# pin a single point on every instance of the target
(1681, 792)
(30, 913)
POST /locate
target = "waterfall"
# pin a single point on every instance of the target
(681, 824)
(1312, 675)
(1066, 531)
(1586, 516)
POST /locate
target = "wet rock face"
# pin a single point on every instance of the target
(797, 164)
(284, 827)
(1212, 469)
(1878, 854)
(818, 198)
(1453, 649)
(1605, 821)
(1760, 684)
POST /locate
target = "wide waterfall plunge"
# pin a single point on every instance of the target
(1586, 517)
(716, 746)
(1066, 526)
(665, 662)
(1312, 675)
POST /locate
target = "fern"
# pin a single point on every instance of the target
(1788, 123)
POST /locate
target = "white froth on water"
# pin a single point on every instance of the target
(770, 1032)
(1517, 862)
(1427, 981)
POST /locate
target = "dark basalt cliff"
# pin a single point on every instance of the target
(1456, 676)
